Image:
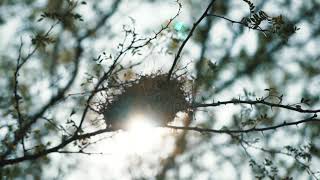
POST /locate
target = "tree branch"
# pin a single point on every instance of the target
(239, 22)
(5, 162)
(250, 102)
(254, 129)
(17, 97)
(205, 13)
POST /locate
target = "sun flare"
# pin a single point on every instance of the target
(140, 122)
(141, 135)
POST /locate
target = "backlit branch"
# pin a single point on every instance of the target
(254, 129)
(296, 108)
(195, 25)
(239, 22)
(63, 144)
(17, 97)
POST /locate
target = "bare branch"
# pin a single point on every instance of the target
(230, 131)
(241, 23)
(80, 152)
(256, 102)
(156, 34)
(205, 14)
(17, 97)
(5, 162)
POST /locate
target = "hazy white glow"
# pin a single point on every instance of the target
(140, 122)
(142, 139)
(141, 135)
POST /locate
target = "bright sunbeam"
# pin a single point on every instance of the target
(140, 136)
(140, 123)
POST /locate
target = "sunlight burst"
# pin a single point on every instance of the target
(141, 135)
(140, 123)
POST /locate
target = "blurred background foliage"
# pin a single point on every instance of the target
(224, 60)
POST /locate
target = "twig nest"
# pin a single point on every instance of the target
(154, 96)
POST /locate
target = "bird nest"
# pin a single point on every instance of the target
(152, 95)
